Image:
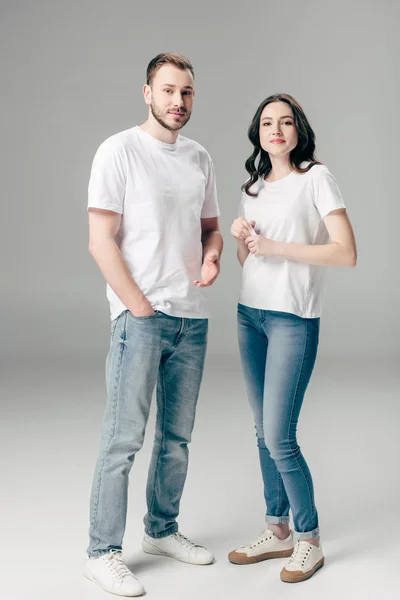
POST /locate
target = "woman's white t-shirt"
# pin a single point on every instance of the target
(289, 210)
(162, 192)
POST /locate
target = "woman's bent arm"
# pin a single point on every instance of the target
(341, 251)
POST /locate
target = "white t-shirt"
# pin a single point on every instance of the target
(289, 210)
(163, 191)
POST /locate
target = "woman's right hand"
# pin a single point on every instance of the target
(241, 229)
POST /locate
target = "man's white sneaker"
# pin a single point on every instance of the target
(305, 560)
(111, 573)
(265, 545)
(179, 547)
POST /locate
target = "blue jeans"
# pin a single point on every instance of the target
(278, 352)
(145, 351)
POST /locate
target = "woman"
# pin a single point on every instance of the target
(292, 223)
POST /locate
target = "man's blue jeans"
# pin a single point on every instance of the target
(145, 351)
(278, 352)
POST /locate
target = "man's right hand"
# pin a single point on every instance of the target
(143, 310)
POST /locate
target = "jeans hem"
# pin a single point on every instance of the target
(97, 553)
(163, 534)
(305, 535)
(271, 520)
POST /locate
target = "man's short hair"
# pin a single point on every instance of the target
(167, 58)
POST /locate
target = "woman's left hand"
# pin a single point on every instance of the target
(261, 246)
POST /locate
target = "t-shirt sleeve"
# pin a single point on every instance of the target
(107, 181)
(210, 205)
(327, 196)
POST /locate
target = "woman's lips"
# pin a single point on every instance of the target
(277, 141)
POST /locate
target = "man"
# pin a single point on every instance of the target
(153, 228)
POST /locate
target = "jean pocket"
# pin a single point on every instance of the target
(113, 326)
(118, 325)
(243, 309)
(156, 312)
(114, 323)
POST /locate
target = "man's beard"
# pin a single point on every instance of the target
(155, 111)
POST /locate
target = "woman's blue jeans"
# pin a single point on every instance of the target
(278, 352)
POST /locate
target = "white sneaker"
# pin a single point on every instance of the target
(111, 573)
(179, 547)
(304, 562)
(265, 545)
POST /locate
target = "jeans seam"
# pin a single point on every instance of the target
(279, 509)
(162, 385)
(180, 333)
(290, 420)
(262, 319)
(112, 433)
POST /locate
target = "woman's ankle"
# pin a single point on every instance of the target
(280, 530)
(314, 541)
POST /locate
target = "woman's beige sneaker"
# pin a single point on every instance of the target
(304, 562)
(265, 546)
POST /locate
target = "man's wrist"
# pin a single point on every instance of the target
(142, 306)
(212, 255)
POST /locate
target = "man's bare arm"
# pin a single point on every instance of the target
(212, 242)
(211, 237)
(103, 227)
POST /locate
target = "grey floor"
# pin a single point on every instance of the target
(348, 432)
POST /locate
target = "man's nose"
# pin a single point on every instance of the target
(178, 99)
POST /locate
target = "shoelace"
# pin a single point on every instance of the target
(184, 541)
(262, 537)
(116, 564)
(300, 552)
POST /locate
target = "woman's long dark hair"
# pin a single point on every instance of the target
(304, 150)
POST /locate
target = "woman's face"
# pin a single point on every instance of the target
(278, 135)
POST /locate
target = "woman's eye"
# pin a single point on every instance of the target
(266, 124)
(288, 123)
(167, 91)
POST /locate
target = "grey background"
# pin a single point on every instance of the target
(71, 75)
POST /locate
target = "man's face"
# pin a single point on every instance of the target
(170, 96)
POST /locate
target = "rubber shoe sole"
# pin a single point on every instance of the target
(297, 576)
(149, 548)
(88, 574)
(240, 558)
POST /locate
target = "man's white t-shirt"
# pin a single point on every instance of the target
(162, 192)
(289, 210)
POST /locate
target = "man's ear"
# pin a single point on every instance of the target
(147, 94)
